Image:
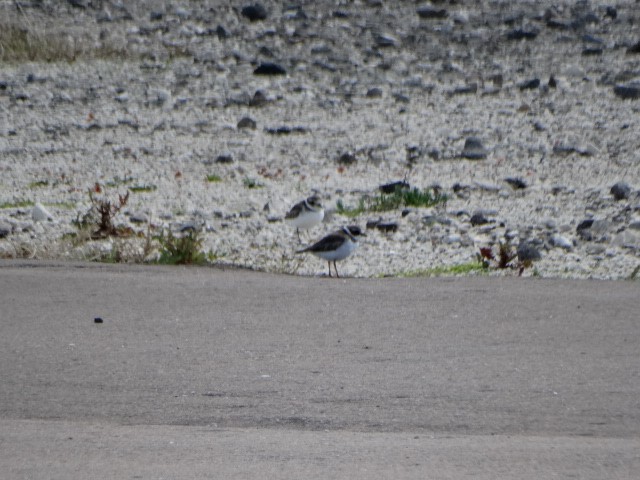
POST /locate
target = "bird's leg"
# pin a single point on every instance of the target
(298, 232)
(336, 268)
(329, 262)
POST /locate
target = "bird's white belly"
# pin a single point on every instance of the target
(307, 219)
(341, 253)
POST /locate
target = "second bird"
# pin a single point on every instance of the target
(305, 214)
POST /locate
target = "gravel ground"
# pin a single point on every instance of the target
(155, 103)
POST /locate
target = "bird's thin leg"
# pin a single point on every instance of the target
(336, 268)
(298, 232)
(329, 262)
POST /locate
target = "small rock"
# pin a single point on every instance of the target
(138, 217)
(488, 187)
(621, 191)
(347, 159)
(158, 97)
(478, 219)
(222, 32)
(520, 34)
(629, 91)
(627, 239)
(464, 89)
(634, 48)
(527, 252)
(40, 213)
(561, 242)
(259, 99)
(592, 51)
(393, 186)
(431, 13)
(530, 84)
(383, 226)
(473, 149)
(224, 158)
(255, 12)
(591, 229)
(268, 68)
(384, 40)
(452, 238)
(5, 229)
(374, 92)
(595, 249)
(516, 183)
(247, 122)
(611, 12)
(97, 320)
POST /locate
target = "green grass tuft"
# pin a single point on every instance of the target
(351, 212)
(185, 250)
(251, 183)
(26, 42)
(391, 201)
(213, 178)
(17, 204)
(142, 188)
(38, 184)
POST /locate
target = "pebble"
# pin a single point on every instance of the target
(40, 213)
(5, 229)
(474, 149)
(621, 191)
(561, 242)
(254, 12)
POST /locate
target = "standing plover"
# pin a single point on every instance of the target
(305, 214)
(336, 246)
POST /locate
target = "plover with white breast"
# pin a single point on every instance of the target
(305, 214)
(336, 246)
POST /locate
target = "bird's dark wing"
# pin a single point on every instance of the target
(327, 244)
(295, 211)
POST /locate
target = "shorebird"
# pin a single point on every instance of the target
(305, 214)
(336, 246)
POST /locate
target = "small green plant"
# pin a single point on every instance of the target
(38, 184)
(22, 41)
(351, 212)
(17, 204)
(142, 188)
(251, 183)
(117, 181)
(61, 205)
(184, 250)
(400, 197)
(213, 178)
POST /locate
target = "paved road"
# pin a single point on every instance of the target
(210, 373)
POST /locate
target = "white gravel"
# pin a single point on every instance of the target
(114, 123)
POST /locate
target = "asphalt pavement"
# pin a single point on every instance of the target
(146, 372)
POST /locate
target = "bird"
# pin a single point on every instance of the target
(305, 214)
(336, 246)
